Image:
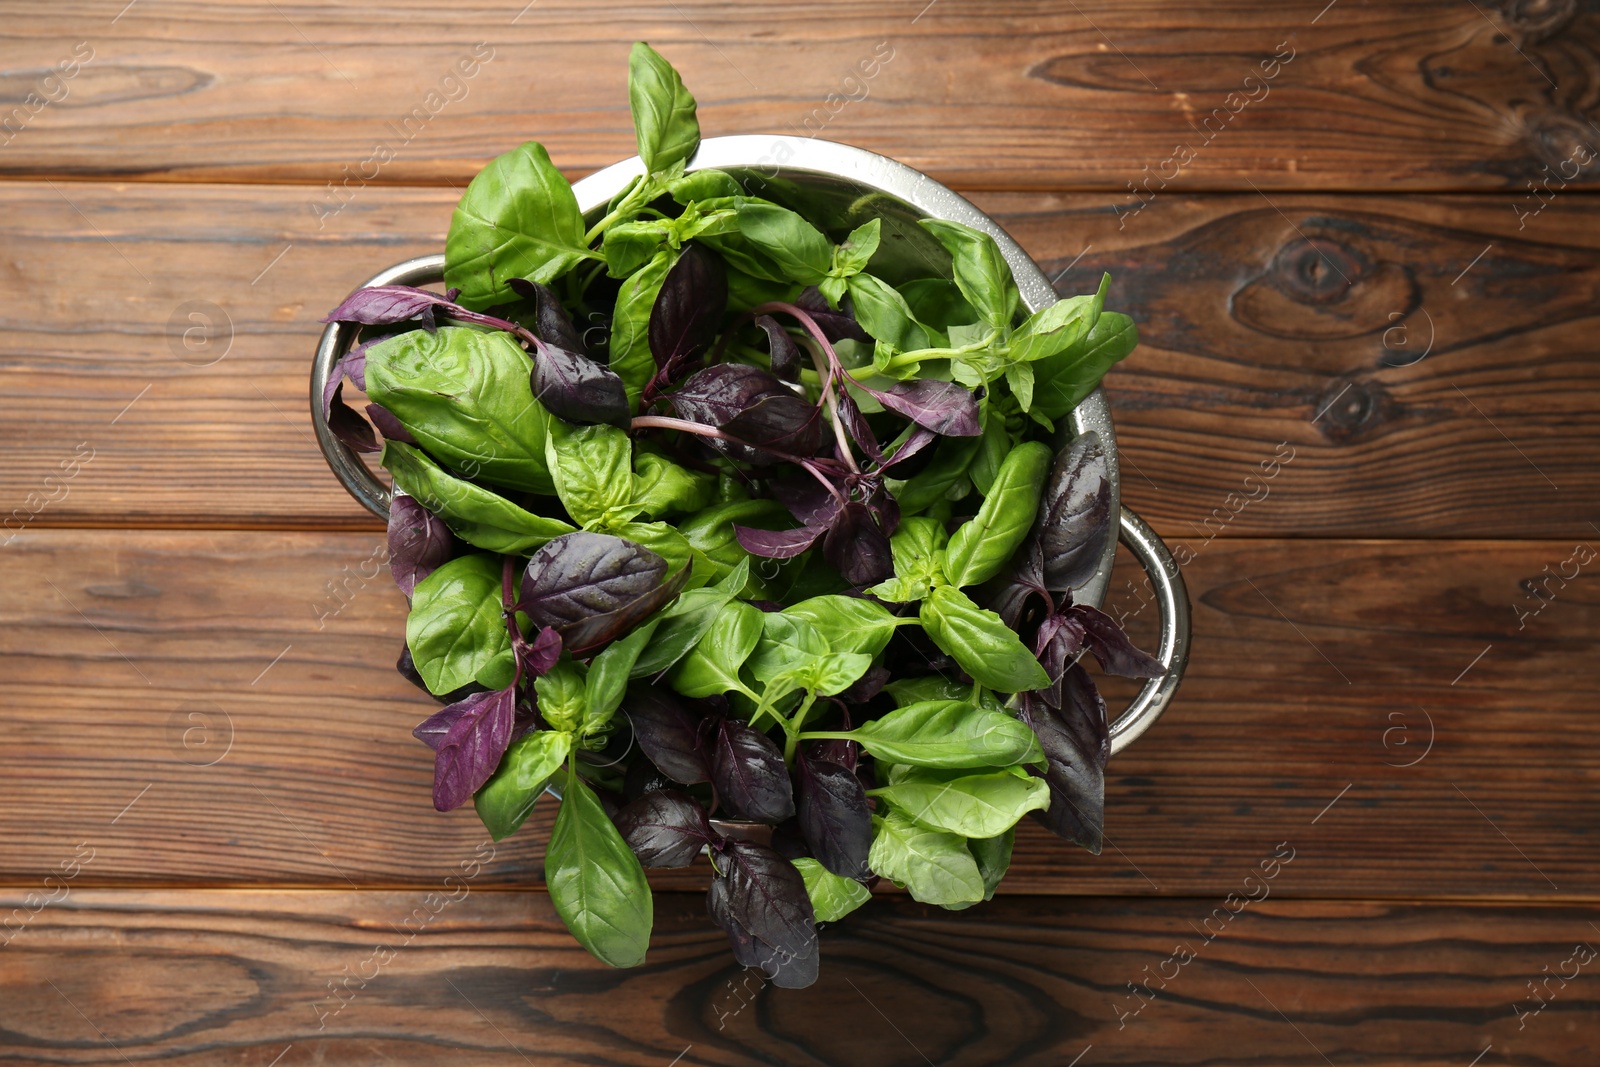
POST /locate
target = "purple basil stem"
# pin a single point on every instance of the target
(748, 770)
(688, 308)
(665, 828)
(943, 407)
(782, 350)
(385, 305)
(834, 816)
(1076, 743)
(578, 389)
(419, 541)
(388, 425)
(592, 588)
(468, 738)
(349, 427)
(835, 325)
(667, 733)
(552, 323)
(760, 900)
(1075, 515)
(856, 547)
(1110, 645)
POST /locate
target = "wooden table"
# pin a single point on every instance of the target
(216, 843)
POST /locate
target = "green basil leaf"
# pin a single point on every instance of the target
(884, 314)
(948, 733)
(938, 302)
(972, 805)
(592, 467)
(517, 219)
(455, 631)
(631, 358)
(609, 671)
(466, 397)
(669, 544)
(993, 855)
(787, 642)
(832, 896)
(852, 256)
(712, 666)
(833, 673)
(711, 532)
(563, 696)
(981, 546)
(977, 639)
(704, 184)
(945, 474)
(685, 622)
(1062, 324)
(981, 271)
(663, 110)
(1019, 379)
(1063, 380)
(506, 799)
(848, 623)
(993, 447)
(934, 866)
(661, 487)
(474, 514)
(596, 882)
(928, 687)
(745, 291)
(630, 244)
(795, 246)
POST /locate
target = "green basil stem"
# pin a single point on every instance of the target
(830, 401)
(792, 726)
(629, 202)
(923, 354)
(508, 609)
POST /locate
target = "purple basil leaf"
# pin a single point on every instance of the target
(884, 507)
(667, 733)
(782, 422)
(920, 439)
(642, 778)
(748, 770)
(384, 305)
(594, 587)
(860, 691)
(578, 389)
(688, 307)
(388, 425)
(943, 407)
(1058, 643)
(834, 816)
(856, 547)
(350, 427)
(835, 325)
(553, 324)
(1075, 515)
(352, 365)
(717, 394)
(665, 828)
(1076, 742)
(807, 500)
(1018, 591)
(540, 654)
(777, 544)
(855, 424)
(767, 896)
(468, 738)
(781, 348)
(419, 541)
(1117, 654)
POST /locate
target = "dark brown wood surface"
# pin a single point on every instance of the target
(457, 975)
(1382, 261)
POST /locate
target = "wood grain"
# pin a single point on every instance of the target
(1420, 357)
(206, 976)
(220, 709)
(1431, 94)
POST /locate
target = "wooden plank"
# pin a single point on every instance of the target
(220, 708)
(1255, 346)
(1101, 95)
(292, 978)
